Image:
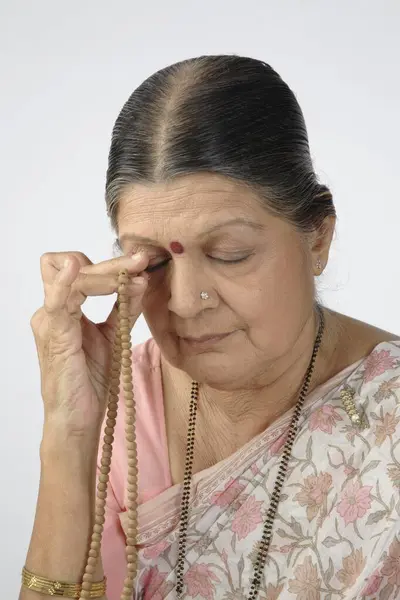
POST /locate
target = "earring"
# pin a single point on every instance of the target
(319, 264)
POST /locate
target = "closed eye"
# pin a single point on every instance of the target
(153, 268)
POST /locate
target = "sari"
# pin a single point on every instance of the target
(336, 534)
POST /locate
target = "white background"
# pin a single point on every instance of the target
(66, 69)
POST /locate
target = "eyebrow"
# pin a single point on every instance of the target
(236, 221)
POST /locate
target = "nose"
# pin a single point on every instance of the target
(187, 282)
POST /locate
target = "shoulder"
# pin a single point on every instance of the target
(377, 384)
(376, 380)
(374, 390)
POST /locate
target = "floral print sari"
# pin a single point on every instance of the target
(336, 535)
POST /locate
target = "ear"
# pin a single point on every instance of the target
(320, 242)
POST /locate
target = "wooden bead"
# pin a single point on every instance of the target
(128, 590)
(132, 516)
(131, 540)
(90, 569)
(132, 569)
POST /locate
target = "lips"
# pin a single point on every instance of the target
(204, 338)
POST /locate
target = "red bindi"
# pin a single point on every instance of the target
(176, 247)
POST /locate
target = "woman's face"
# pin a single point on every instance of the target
(259, 278)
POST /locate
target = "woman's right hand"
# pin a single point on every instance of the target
(75, 353)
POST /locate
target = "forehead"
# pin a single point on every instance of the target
(199, 200)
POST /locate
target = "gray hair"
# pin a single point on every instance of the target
(222, 114)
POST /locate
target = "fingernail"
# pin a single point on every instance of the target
(137, 256)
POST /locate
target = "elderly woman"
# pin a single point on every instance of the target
(266, 424)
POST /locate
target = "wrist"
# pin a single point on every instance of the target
(63, 449)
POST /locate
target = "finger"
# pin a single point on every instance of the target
(56, 298)
(58, 292)
(98, 281)
(52, 262)
(37, 321)
(133, 264)
(86, 285)
(95, 285)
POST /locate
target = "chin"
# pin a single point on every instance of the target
(218, 371)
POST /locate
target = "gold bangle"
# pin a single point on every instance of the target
(45, 586)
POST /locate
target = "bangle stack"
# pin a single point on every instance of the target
(48, 587)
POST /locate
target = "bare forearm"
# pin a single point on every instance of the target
(64, 514)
